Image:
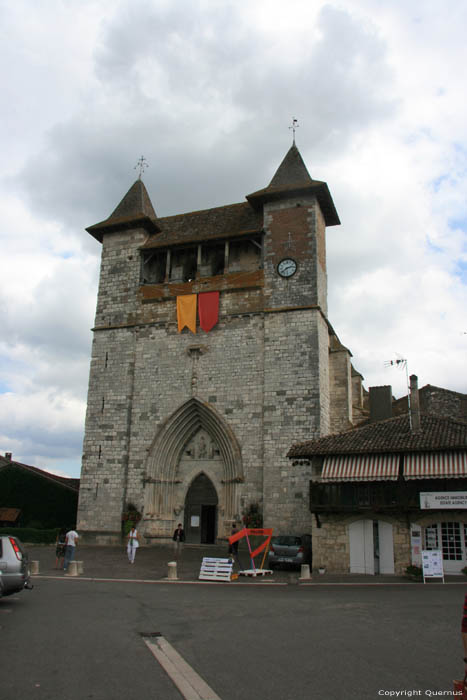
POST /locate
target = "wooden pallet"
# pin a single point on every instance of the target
(213, 569)
(255, 572)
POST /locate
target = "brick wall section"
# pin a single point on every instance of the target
(301, 218)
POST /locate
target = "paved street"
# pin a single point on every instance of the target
(73, 639)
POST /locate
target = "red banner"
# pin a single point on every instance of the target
(208, 310)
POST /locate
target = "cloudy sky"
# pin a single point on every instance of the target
(206, 90)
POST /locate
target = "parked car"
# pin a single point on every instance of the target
(14, 566)
(293, 550)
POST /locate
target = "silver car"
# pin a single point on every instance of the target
(291, 550)
(14, 566)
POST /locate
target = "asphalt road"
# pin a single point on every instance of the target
(74, 640)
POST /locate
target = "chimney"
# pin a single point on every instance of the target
(380, 402)
(414, 403)
(8, 456)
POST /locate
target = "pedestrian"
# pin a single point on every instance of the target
(133, 544)
(233, 548)
(178, 538)
(71, 541)
(60, 544)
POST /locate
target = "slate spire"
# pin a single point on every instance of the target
(135, 210)
(136, 202)
(292, 170)
(292, 179)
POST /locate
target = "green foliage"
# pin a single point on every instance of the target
(414, 572)
(30, 535)
(42, 502)
(127, 525)
(130, 518)
(464, 570)
(253, 517)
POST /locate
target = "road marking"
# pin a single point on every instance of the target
(188, 682)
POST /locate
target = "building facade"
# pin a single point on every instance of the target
(195, 427)
(32, 497)
(383, 491)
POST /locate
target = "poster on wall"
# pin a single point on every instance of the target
(194, 522)
(416, 544)
(432, 564)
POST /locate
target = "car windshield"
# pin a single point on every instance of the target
(287, 541)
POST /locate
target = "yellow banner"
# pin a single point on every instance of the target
(186, 312)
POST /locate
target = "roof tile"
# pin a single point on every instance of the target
(390, 435)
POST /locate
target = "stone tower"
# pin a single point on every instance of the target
(194, 427)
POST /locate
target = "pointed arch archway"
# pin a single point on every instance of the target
(200, 512)
(167, 484)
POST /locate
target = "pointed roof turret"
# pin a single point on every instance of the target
(293, 179)
(135, 210)
(292, 170)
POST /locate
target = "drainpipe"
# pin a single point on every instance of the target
(414, 403)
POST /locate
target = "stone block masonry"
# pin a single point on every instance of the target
(195, 428)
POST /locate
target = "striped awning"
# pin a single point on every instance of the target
(435, 465)
(361, 468)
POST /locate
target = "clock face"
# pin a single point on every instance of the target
(287, 267)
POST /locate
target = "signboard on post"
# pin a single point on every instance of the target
(443, 500)
(432, 564)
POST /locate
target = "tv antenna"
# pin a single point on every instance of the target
(401, 363)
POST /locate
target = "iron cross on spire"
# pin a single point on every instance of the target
(294, 127)
(140, 165)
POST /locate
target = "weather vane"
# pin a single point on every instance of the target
(141, 164)
(294, 127)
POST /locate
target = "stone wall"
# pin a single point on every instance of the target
(257, 382)
(331, 546)
(440, 402)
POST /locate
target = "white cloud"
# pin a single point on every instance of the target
(206, 89)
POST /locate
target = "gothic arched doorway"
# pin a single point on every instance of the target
(201, 511)
(195, 440)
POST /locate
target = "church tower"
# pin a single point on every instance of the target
(194, 426)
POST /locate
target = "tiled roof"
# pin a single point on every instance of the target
(292, 178)
(390, 435)
(135, 209)
(291, 170)
(69, 483)
(221, 222)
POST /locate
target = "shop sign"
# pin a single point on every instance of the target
(432, 564)
(443, 500)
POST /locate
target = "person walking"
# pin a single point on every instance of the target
(178, 538)
(133, 544)
(233, 548)
(71, 541)
(60, 544)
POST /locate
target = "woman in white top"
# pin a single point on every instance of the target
(133, 544)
